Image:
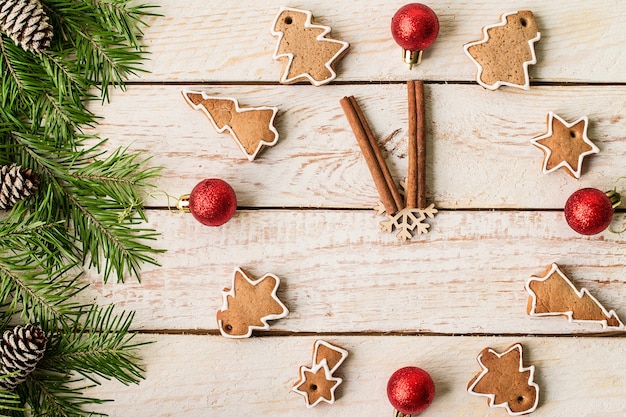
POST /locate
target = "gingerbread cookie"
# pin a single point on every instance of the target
(317, 383)
(252, 128)
(565, 145)
(249, 305)
(506, 51)
(303, 48)
(505, 381)
(553, 294)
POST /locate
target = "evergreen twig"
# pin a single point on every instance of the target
(87, 210)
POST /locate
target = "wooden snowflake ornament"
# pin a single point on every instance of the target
(304, 49)
(248, 305)
(407, 222)
(505, 381)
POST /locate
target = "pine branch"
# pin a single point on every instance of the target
(87, 208)
(101, 200)
(101, 345)
(55, 394)
(34, 282)
(106, 56)
(27, 291)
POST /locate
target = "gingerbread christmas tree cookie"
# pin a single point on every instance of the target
(249, 305)
(252, 128)
(505, 381)
(505, 51)
(565, 145)
(305, 50)
(317, 383)
(553, 294)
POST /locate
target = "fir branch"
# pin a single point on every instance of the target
(101, 345)
(9, 401)
(35, 291)
(55, 394)
(87, 208)
(92, 193)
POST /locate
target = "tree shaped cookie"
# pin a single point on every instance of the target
(249, 305)
(303, 48)
(252, 128)
(317, 383)
(505, 381)
(506, 51)
(565, 145)
(553, 294)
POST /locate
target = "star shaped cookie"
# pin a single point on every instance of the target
(317, 384)
(565, 145)
(505, 381)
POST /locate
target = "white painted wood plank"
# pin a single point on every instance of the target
(209, 375)
(479, 151)
(340, 273)
(203, 40)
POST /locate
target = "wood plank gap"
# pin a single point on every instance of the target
(536, 83)
(215, 332)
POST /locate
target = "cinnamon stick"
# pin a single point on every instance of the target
(411, 181)
(416, 181)
(397, 198)
(421, 146)
(389, 195)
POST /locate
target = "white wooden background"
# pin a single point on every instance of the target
(304, 213)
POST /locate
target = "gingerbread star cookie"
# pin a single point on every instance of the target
(565, 145)
(505, 381)
(248, 305)
(252, 128)
(317, 383)
(505, 51)
(304, 49)
(553, 294)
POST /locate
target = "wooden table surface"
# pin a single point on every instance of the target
(304, 213)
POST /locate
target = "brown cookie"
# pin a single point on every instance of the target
(553, 294)
(565, 145)
(303, 48)
(317, 383)
(252, 128)
(249, 305)
(505, 381)
(506, 51)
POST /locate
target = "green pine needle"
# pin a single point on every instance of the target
(87, 210)
(100, 346)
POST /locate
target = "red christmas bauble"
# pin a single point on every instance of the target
(410, 390)
(589, 211)
(414, 27)
(212, 202)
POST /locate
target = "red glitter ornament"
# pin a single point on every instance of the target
(410, 390)
(414, 27)
(589, 211)
(212, 202)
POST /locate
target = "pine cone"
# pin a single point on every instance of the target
(15, 185)
(20, 351)
(26, 23)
